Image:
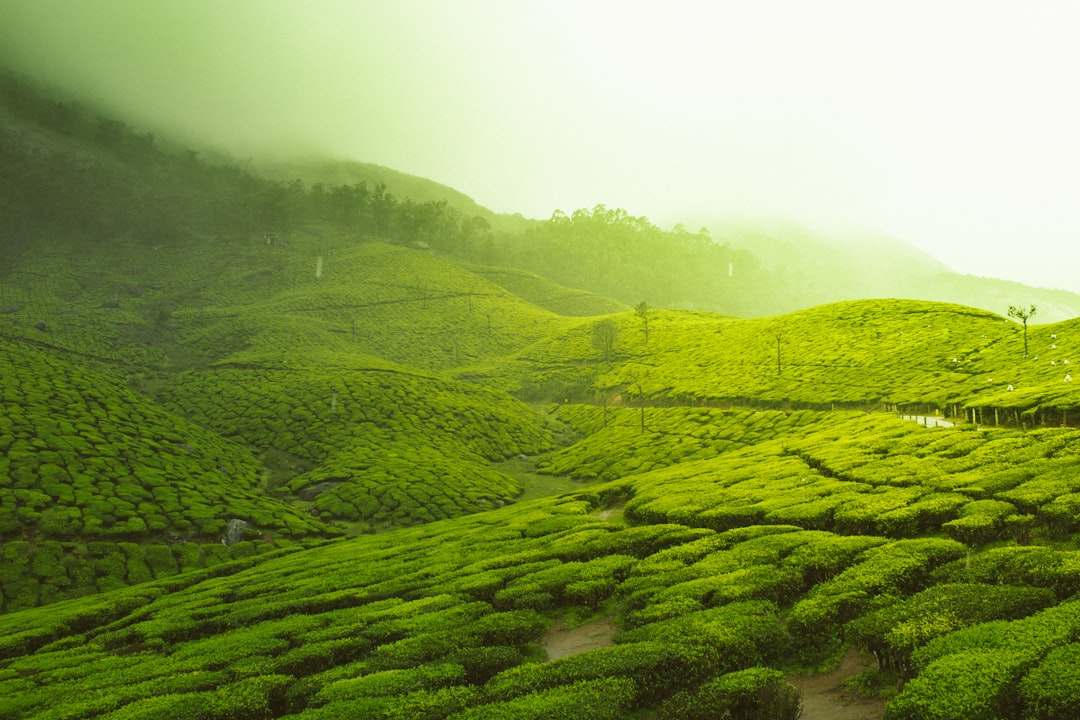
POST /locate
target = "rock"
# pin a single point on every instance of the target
(234, 531)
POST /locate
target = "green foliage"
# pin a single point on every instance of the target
(657, 670)
(973, 685)
(751, 694)
(1051, 691)
(604, 699)
(247, 352)
(894, 632)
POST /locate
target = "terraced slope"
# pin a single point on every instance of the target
(261, 343)
(368, 441)
(84, 457)
(548, 295)
(871, 353)
(721, 571)
(193, 303)
(100, 487)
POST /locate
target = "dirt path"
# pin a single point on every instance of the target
(823, 695)
(560, 641)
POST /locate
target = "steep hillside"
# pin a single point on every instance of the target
(100, 487)
(290, 349)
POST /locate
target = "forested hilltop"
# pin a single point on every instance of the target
(86, 174)
(278, 449)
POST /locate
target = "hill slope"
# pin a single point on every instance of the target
(867, 353)
(721, 566)
(732, 503)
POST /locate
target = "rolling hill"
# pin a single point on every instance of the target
(273, 465)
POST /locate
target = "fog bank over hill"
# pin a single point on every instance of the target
(943, 125)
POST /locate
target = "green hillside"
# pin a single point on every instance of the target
(871, 354)
(546, 294)
(734, 572)
(268, 451)
(331, 172)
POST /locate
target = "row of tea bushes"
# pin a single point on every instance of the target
(854, 473)
(893, 632)
(399, 482)
(1021, 668)
(47, 571)
(442, 620)
(615, 445)
(380, 444)
(82, 456)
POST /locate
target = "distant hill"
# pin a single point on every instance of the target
(870, 354)
(808, 267)
(332, 171)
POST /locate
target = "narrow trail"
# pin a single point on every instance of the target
(825, 698)
(560, 641)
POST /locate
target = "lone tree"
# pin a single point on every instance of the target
(642, 310)
(605, 337)
(1022, 314)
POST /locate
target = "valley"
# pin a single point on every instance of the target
(287, 453)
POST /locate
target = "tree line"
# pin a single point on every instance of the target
(92, 178)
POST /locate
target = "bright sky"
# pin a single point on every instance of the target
(954, 125)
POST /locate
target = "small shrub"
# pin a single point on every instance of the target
(751, 694)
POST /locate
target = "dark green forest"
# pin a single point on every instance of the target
(310, 449)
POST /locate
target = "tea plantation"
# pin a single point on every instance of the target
(262, 480)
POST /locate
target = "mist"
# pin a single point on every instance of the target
(950, 125)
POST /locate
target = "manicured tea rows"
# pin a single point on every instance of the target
(619, 448)
(975, 672)
(47, 571)
(548, 295)
(396, 622)
(384, 445)
(84, 457)
(869, 353)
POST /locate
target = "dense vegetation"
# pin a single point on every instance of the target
(329, 472)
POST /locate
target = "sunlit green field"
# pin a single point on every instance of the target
(435, 467)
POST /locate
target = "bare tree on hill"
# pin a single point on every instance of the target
(1022, 314)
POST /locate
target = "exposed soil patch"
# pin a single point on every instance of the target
(560, 641)
(825, 698)
(611, 513)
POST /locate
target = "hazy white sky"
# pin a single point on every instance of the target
(954, 125)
